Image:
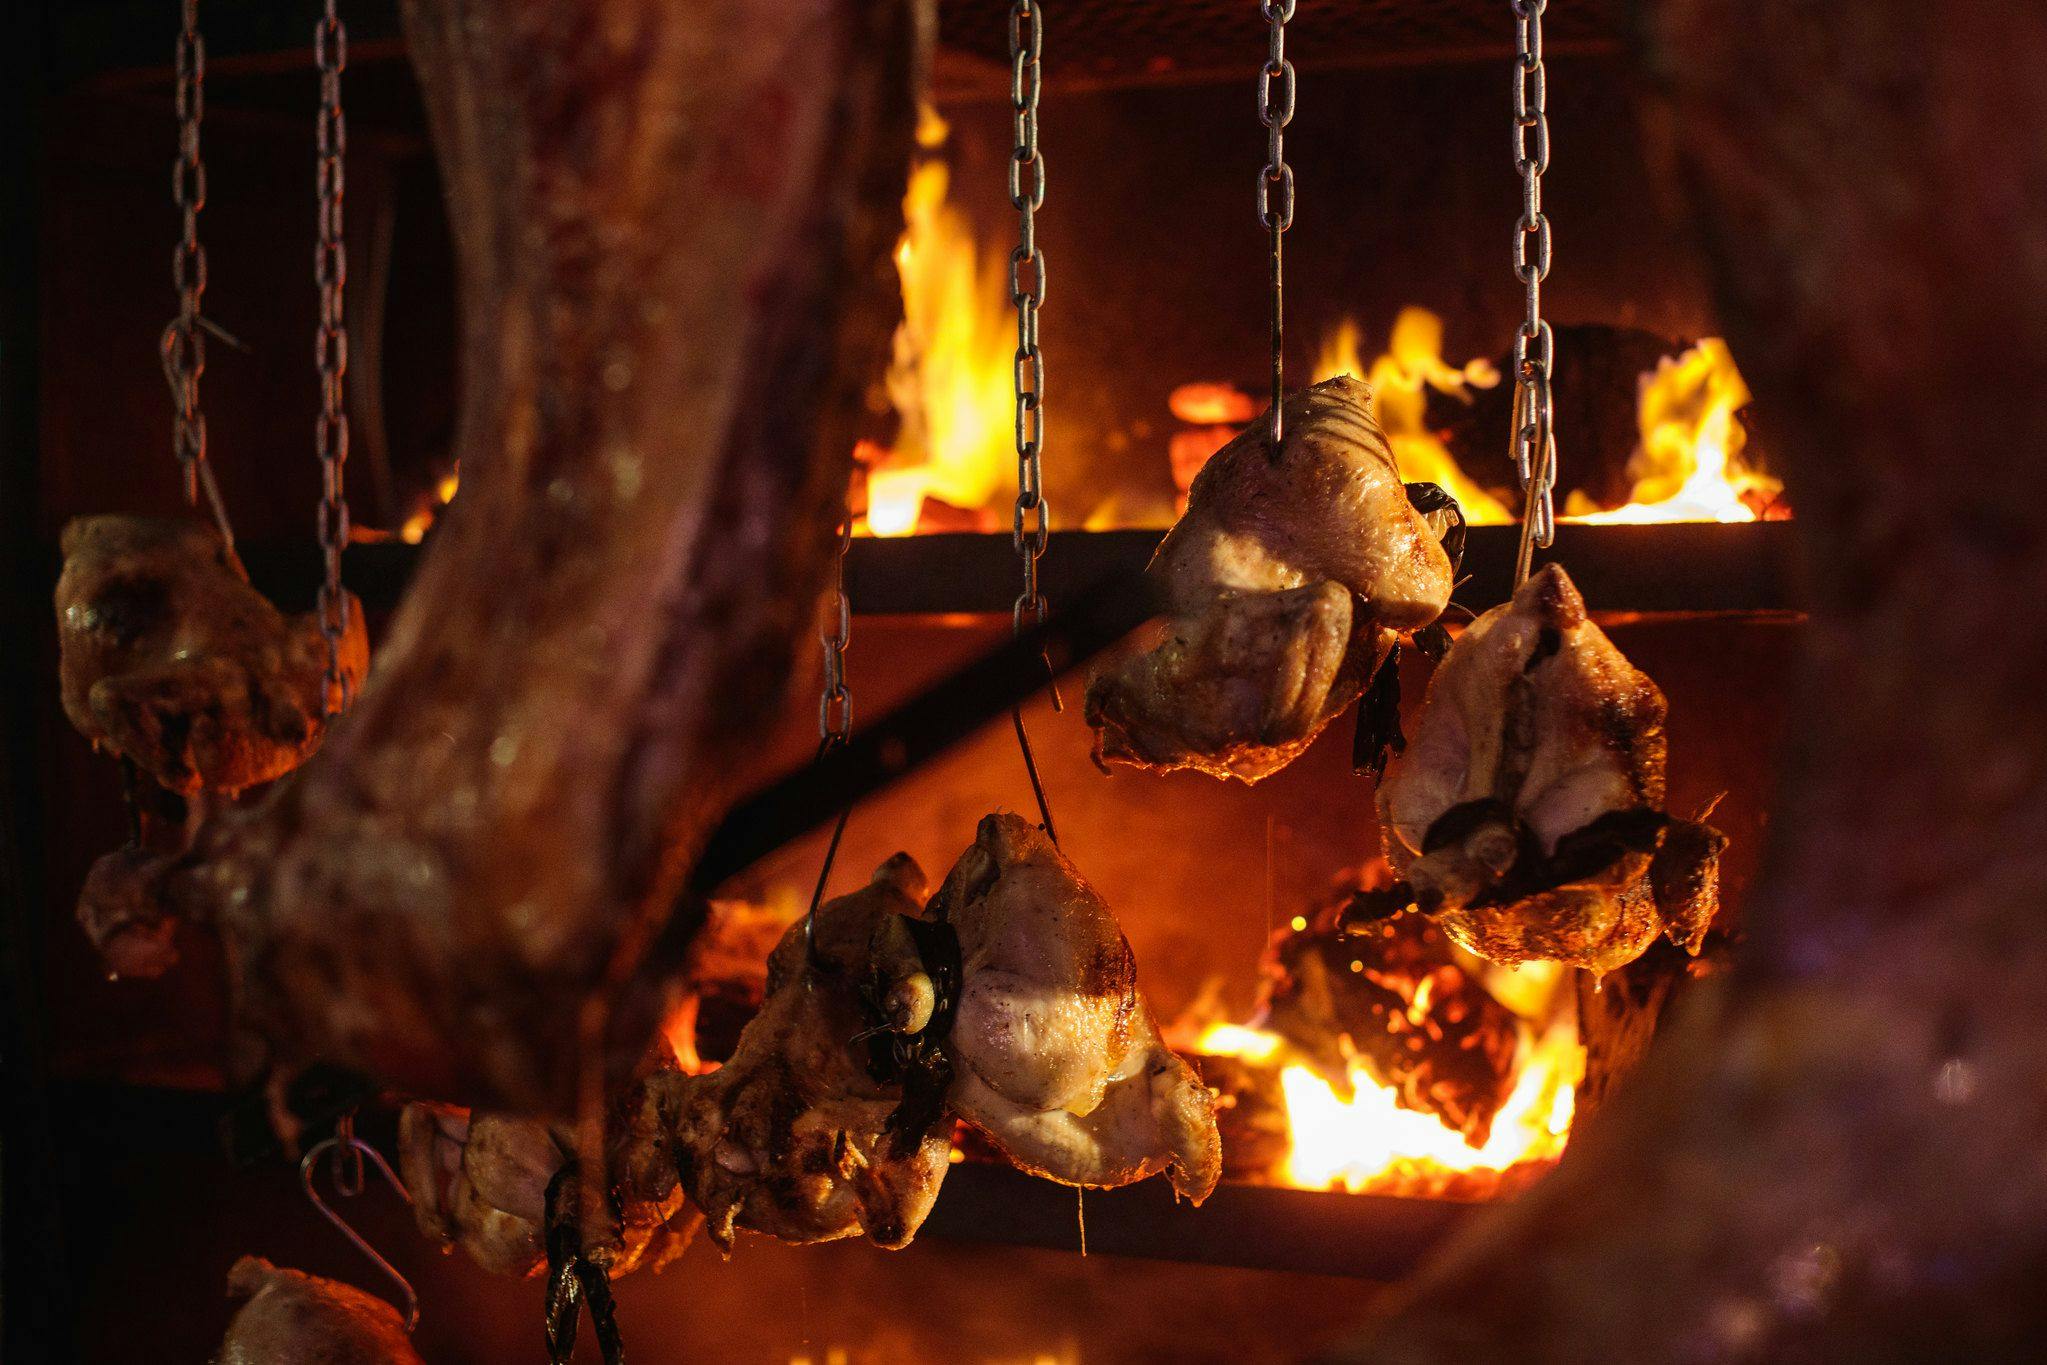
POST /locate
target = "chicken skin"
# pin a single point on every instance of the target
(1526, 816)
(1056, 1057)
(292, 1318)
(1285, 583)
(170, 659)
(804, 1134)
(480, 1182)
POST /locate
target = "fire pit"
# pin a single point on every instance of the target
(1379, 1088)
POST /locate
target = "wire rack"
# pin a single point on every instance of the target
(1113, 42)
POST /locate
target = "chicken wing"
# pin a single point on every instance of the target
(1286, 582)
(170, 659)
(1056, 1057)
(292, 1318)
(1527, 815)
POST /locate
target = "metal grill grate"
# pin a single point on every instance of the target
(1107, 42)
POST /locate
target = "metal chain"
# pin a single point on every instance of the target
(330, 349)
(1533, 442)
(835, 706)
(1276, 185)
(834, 716)
(1031, 526)
(183, 347)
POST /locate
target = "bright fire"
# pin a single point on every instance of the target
(1371, 1144)
(952, 368)
(1401, 379)
(950, 373)
(1689, 465)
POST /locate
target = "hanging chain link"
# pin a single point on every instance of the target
(835, 706)
(1534, 442)
(1276, 185)
(183, 348)
(330, 348)
(1031, 526)
(834, 716)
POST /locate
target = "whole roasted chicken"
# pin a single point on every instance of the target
(1055, 1054)
(292, 1318)
(1526, 817)
(171, 660)
(481, 1182)
(1286, 582)
(812, 1131)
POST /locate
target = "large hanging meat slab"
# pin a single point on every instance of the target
(672, 226)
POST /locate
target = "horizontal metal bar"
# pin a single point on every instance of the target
(1688, 568)
(1678, 567)
(921, 728)
(1371, 1237)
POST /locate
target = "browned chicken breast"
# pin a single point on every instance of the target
(170, 659)
(1286, 582)
(1526, 816)
(799, 1135)
(292, 1318)
(1056, 1057)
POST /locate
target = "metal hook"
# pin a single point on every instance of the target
(358, 1149)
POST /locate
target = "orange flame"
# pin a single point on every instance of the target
(1401, 379)
(1689, 465)
(950, 375)
(1369, 1143)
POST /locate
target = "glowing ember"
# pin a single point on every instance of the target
(1211, 404)
(425, 512)
(950, 375)
(1370, 1143)
(1401, 380)
(1689, 465)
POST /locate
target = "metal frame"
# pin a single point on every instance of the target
(1671, 569)
(1371, 1237)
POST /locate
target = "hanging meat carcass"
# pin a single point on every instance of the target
(1527, 815)
(1286, 583)
(468, 893)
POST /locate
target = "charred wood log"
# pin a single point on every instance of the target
(1835, 1154)
(673, 225)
